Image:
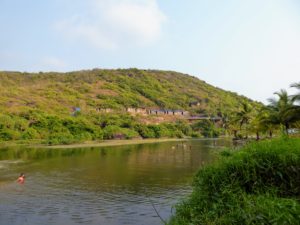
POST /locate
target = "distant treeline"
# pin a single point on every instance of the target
(282, 114)
(65, 130)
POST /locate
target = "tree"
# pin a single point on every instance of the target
(207, 128)
(296, 99)
(244, 115)
(281, 110)
(265, 122)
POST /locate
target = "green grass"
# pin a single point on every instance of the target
(259, 184)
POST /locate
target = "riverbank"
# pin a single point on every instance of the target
(92, 143)
(116, 143)
(258, 184)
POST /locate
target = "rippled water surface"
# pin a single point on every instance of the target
(108, 185)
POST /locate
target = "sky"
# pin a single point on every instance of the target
(251, 47)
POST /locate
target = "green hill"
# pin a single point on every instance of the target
(59, 92)
(28, 98)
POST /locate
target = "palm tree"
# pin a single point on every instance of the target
(296, 99)
(281, 110)
(244, 115)
(265, 121)
(256, 126)
(233, 127)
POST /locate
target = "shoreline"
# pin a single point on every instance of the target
(108, 143)
(104, 143)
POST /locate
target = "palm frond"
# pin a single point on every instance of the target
(296, 85)
(296, 97)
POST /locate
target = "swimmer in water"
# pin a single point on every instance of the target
(21, 178)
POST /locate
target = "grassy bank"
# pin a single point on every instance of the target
(260, 184)
(104, 143)
(116, 143)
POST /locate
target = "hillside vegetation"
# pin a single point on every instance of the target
(41, 105)
(110, 89)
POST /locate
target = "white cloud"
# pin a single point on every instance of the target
(141, 20)
(78, 29)
(110, 24)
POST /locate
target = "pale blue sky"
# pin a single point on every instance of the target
(248, 46)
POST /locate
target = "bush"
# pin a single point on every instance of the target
(20, 124)
(30, 133)
(158, 131)
(84, 136)
(97, 134)
(35, 124)
(184, 127)
(144, 131)
(196, 134)
(207, 129)
(115, 132)
(61, 138)
(163, 131)
(120, 120)
(6, 122)
(8, 135)
(258, 185)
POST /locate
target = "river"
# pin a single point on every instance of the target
(99, 185)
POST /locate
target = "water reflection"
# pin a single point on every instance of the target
(110, 185)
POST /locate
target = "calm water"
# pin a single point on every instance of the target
(108, 185)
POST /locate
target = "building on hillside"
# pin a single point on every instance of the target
(141, 110)
(156, 111)
(131, 110)
(170, 112)
(104, 110)
(180, 112)
(136, 110)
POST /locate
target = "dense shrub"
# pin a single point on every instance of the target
(8, 134)
(6, 122)
(144, 131)
(30, 133)
(120, 120)
(159, 131)
(61, 138)
(184, 127)
(259, 184)
(71, 129)
(115, 132)
(207, 128)
(61, 129)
